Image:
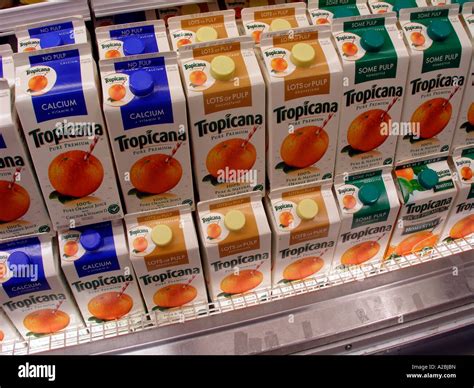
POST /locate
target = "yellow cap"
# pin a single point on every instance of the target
(307, 209)
(189, 9)
(222, 67)
(161, 235)
(280, 24)
(206, 34)
(234, 220)
(302, 54)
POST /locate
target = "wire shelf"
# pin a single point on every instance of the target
(136, 323)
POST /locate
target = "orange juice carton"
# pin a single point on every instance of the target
(304, 78)
(440, 56)
(464, 133)
(164, 251)
(23, 211)
(324, 11)
(199, 28)
(97, 266)
(124, 40)
(381, 7)
(236, 241)
(145, 109)
(58, 105)
(368, 206)
(226, 101)
(7, 68)
(427, 192)
(8, 333)
(33, 292)
(258, 20)
(238, 5)
(305, 226)
(460, 223)
(375, 63)
(51, 33)
(187, 9)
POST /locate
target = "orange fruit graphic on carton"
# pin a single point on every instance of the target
(15, 200)
(235, 154)
(46, 321)
(244, 281)
(174, 295)
(110, 305)
(360, 253)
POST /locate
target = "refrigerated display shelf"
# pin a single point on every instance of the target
(363, 310)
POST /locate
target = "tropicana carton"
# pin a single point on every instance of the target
(8, 333)
(238, 5)
(226, 101)
(51, 33)
(440, 56)
(7, 68)
(124, 40)
(464, 133)
(236, 241)
(33, 292)
(427, 192)
(375, 63)
(145, 109)
(270, 18)
(187, 9)
(305, 226)
(368, 205)
(98, 269)
(164, 251)
(460, 222)
(23, 211)
(304, 79)
(324, 11)
(199, 28)
(380, 7)
(58, 105)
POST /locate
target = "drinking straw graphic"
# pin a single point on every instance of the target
(15, 174)
(123, 289)
(389, 107)
(324, 123)
(190, 281)
(251, 133)
(58, 306)
(91, 147)
(173, 152)
(451, 95)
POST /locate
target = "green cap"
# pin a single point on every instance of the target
(428, 178)
(400, 4)
(369, 194)
(439, 30)
(342, 12)
(372, 41)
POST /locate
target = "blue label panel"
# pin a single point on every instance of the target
(154, 109)
(103, 259)
(66, 97)
(1, 67)
(28, 276)
(64, 30)
(2, 142)
(145, 33)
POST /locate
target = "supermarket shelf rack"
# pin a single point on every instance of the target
(365, 310)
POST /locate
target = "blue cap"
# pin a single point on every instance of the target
(343, 12)
(19, 258)
(51, 39)
(369, 194)
(372, 41)
(428, 178)
(400, 4)
(439, 30)
(141, 83)
(133, 46)
(90, 240)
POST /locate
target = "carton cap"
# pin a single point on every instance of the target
(302, 54)
(307, 209)
(439, 30)
(141, 83)
(372, 41)
(161, 235)
(222, 67)
(206, 34)
(234, 220)
(50, 39)
(90, 240)
(280, 24)
(428, 178)
(18, 258)
(369, 194)
(133, 46)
